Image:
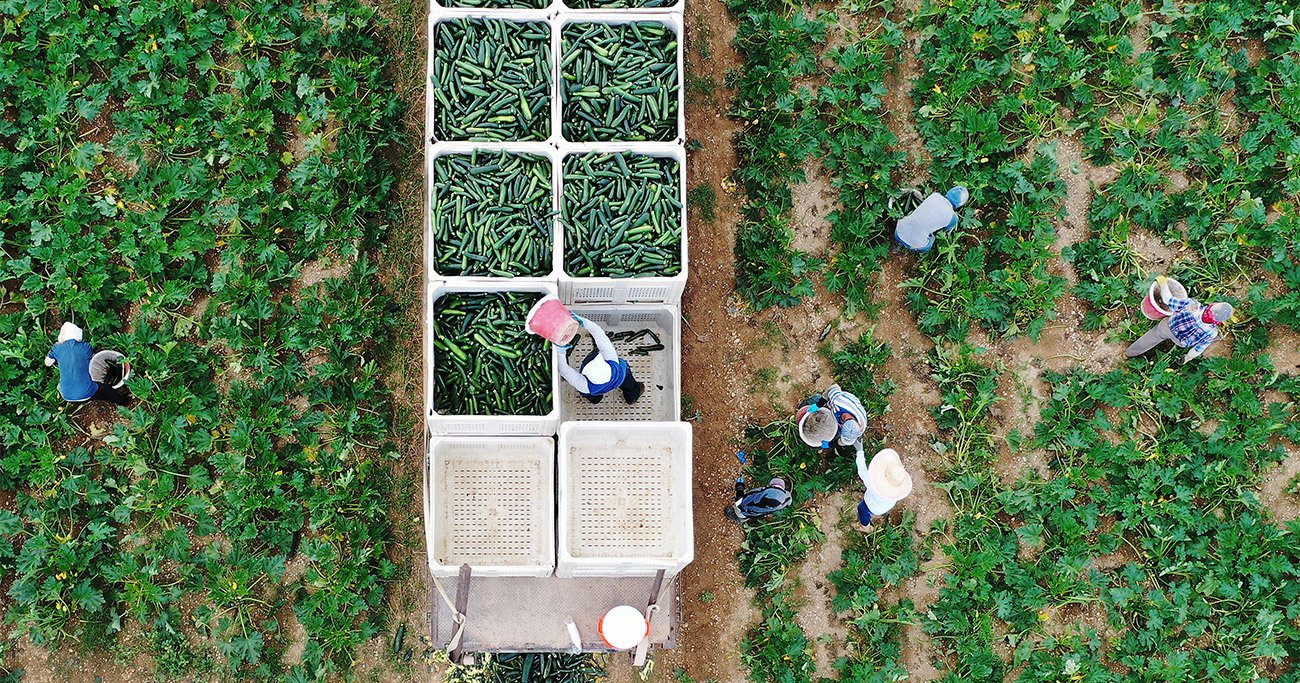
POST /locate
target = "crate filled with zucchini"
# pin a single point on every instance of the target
(496, 4)
(491, 80)
(492, 214)
(619, 82)
(620, 4)
(485, 363)
(621, 213)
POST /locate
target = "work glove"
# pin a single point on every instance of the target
(1161, 279)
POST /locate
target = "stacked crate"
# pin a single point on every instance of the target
(556, 165)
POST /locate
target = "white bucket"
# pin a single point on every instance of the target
(99, 364)
(623, 627)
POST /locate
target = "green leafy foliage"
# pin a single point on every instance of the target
(172, 173)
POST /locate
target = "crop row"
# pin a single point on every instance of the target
(494, 80)
(620, 214)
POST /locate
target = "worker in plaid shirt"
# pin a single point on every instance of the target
(1191, 326)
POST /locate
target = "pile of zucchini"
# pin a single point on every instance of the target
(492, 214)
(484, 361)
(499, 4)
(622, 215)
(620, 82)
(491, 80)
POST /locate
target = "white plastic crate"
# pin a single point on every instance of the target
(532, 148)
(660, 370)
(444, 424)
(611, 290)
(672, 20)
(439, 15)
(624, 498)
(676, 9)
(490, 503)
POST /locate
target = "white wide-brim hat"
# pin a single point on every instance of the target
(886, 476)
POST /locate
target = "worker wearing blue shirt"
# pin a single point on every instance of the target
(73, 355)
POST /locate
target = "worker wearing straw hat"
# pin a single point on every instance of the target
(886, 482)
(1190, 326)
(847, 427)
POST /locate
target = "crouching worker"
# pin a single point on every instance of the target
(938, 212)
(1190, 326)
(835, 416)
(73, 355)
(602, 371)
(885, 481)
(757, 502)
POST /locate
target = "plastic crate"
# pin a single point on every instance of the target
(673, 21)
(445, 424)
(624, 498)
(532, 148)
(611, 290)
(490, 503)
(439, 15)
(660, 370)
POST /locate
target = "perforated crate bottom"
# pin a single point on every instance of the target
(494, 498)
(655, 370)
(622, 500)
(520, 614)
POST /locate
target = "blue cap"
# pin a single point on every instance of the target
(864, 513)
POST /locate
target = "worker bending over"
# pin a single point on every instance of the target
(757, 502)
(850, 416)
(73, 355)
(602, 370)
(885, 482)
(1191, 325)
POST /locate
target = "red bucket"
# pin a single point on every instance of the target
(551, 320)
(1153, 307)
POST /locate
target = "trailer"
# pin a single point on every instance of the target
(540, 519)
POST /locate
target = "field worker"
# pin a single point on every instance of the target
(850, 419)
(602, 370)
(938, 212)
(758, 502)
(73, 355)
(1190, 326)
(885, 482)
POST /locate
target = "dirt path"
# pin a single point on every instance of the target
(716, 609)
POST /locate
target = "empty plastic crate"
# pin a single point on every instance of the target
(490, 503)
(624, 498)
(659, 370)
(447, 424)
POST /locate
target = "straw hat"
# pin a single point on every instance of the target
(817, 427)
(597, 371)
(886, 477)
(69, 331)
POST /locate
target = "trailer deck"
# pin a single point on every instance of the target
(525, 614)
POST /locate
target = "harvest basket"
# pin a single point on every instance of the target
(659, 370)
(610, 290)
